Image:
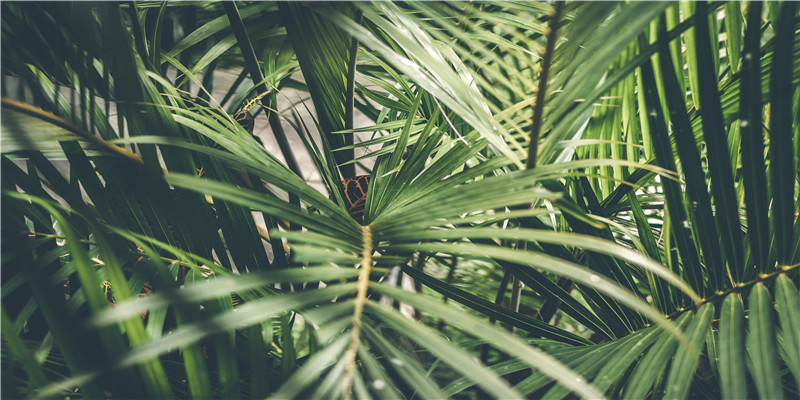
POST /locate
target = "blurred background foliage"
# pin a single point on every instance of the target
(581, 199)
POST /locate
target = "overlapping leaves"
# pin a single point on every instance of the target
(289, 316)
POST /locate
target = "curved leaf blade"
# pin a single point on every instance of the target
(761, 345)
(787, 305)
(685, 364)
(732, 356)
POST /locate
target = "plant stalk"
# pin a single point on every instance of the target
(349, 171)
(358, 309)
(538, 108)
(538, 116)
(51, 118)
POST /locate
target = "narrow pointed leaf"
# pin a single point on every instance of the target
(685, 364)
(499, 339)
(696, 185)
(753, 167)
(654, 364)
(781, 149)
(732, 356)
(493, 310)
(719, 167)
(761, 344)
(787, 305)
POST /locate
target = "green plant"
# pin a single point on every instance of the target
(135, 261)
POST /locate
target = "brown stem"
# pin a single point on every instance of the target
(538, 108)
(741, 287)
(51, 118)
(358, 308)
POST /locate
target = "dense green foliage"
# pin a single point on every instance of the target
(646, 245)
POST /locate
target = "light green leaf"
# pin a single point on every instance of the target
(732, 354)
(787, 305)
(685, 364)
(761, 344)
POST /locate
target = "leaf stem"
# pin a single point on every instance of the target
(538, 108)
(358, 308)
(739, 288)
(538, 113)
(349, 171)
(51, 118)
